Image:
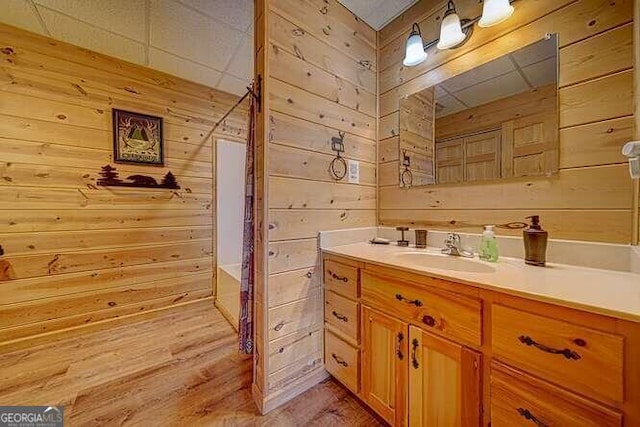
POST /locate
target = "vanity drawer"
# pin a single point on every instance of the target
(518, 399)
(341, 279)
(451, 315)
(576, 357)
(342, 314)
(342, 360)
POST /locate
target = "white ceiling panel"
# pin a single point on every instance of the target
(535, 52)
(479, 74)
(541, 73)
(232, 84)
(124, 17)
(65, 28)
(446, 105)
(500, 87)
(377, 13)
(189, 70)
(180, 30)
(236, 13)
(21, 13)
(241, 64)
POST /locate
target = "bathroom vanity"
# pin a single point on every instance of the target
(426, 339)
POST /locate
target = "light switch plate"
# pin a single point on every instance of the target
(354, 171)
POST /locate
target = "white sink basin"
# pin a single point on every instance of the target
(444, 262)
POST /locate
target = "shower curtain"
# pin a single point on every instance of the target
(245, 334)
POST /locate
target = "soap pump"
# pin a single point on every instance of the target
(488, 245)
(535, 243)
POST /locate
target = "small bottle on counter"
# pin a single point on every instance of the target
(488, 245)
(535, 243)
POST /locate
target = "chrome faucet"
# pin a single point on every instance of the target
(453, 247)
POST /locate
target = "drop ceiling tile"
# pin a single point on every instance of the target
(183, 68)
(232, 84)
(440, 92)
(237, 13)
(542, 73)
(178, 29)
(536, 52)
(84, 35)
(377, 13)
(446, 105)
(242, 62)
(19, 13)
(479, 74)
(491, 90)
(125, 17)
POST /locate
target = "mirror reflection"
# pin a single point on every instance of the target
(496, 121)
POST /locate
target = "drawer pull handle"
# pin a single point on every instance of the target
(339, 360)
(415, 302)
(339, 278)
(527, 415)
(566, 352)
(340, 316)
(414, 348)
(400, 337)
(429, 321)
(278, 326)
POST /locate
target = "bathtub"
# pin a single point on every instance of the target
(228, 292)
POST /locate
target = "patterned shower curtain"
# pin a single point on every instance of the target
(245, 335)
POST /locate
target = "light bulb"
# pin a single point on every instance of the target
(495, 12)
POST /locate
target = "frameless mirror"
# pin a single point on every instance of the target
(496, 121)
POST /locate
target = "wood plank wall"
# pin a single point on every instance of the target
(592, 196)
(320, 68)
(76, 254)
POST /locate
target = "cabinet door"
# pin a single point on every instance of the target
(444, 382)
(384, 365)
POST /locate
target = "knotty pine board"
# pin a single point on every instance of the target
(596, 117)
(320, 69)
(77, 254)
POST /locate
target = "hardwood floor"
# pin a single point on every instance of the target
(178, 369)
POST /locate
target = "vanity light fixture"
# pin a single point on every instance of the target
(451, 34)
(454, 32)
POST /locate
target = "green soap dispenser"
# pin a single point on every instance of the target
(488, 245)
(535, 243)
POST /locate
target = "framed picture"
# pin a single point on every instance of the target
(137, 138)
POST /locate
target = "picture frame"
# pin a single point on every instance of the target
(137, 138)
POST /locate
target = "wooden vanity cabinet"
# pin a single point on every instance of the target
(431, 352)
(384, 365)
(444, 382)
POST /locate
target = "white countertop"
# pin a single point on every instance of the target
(607, 292)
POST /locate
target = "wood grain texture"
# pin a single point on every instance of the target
(76, 254)
(596, 117)
(319, 64)
(183, 365)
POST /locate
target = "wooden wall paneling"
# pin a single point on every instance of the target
(596, 114)
(22, 290)
(332, 24)
(321, 64)
(636, 44)
(561, 224)
(301, 163)
(295, 40)
(15, 244)
(78, 256)
(293, 254)
(288, 193)
(298, 102)
(298, 133)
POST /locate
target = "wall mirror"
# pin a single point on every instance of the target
(496, 121)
